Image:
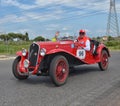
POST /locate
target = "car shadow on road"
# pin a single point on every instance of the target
(42, 80)
(84, 69)
(36, 80)
(46, 80)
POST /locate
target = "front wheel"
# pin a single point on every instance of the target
(104, 61)
(59, 70)
(16, 71)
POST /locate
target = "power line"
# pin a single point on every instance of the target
(68, 18)
(75, 16)
(49, 8)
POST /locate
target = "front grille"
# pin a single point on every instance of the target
(33, 54)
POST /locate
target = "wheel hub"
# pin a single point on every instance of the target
(63, 71)
(106, 60)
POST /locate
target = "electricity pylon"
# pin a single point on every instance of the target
(112, 26)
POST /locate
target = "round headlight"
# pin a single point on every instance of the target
(42, 52)
(26, 63)
(24, 52)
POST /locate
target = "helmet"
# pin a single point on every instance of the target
(82, 31)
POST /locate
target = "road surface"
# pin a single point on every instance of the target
(86, 86)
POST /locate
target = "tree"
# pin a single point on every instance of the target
(110, 38)
(19, 36)
(3, 37)
(12, 36)
(39, 38)
(27, 37)
(47, 40)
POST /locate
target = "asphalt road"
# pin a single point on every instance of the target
(86, 86)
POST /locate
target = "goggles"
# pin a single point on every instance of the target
(81, 33)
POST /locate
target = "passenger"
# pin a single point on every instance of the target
(56, 36)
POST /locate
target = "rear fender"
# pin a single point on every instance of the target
(100, 49)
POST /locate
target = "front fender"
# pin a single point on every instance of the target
(64, 51)
(19, 53)
(59, 50)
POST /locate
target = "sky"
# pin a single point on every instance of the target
(45, 17)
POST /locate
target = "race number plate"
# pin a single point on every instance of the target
(81, 53)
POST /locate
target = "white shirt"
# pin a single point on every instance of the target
(87, 48)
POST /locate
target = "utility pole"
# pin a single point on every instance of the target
(112, 25)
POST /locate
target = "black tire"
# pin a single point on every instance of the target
(103, 64)
(15, 70)
(59, 70)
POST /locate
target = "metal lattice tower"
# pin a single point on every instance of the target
(112, 26)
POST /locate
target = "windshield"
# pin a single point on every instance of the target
(67, 37)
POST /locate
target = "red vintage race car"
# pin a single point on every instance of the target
(57, 58)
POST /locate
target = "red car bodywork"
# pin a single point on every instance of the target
(68, 48)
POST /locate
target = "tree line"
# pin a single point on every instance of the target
(13, 36)
(20, 37)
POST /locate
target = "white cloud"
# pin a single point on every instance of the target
(52, 27)
(44, 16)
(17, 4)
(64, 28)
(118, 8)
(23, 30)
(43, 3)
(29, 16)
(92, 5)
(53, 10)
(12, 18)
(84, 4)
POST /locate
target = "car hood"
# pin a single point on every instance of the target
(57, 46)
(49, 43)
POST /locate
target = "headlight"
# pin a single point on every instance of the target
(26, 63)
(43, 52)
(24, 52)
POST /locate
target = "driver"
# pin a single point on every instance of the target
(83, 40)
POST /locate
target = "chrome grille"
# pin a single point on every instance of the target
(33, 54)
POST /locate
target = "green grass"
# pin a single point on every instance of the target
(116, 48)
(13, 47)
(113, 45)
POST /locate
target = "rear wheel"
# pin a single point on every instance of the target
(16, 71)
(103, 64)
(59, 70)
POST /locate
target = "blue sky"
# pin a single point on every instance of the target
(45, 17)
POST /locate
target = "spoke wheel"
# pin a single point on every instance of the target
(16, 71)
(59, 70)
(103, 64)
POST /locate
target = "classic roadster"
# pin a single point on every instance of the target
(57, 58)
